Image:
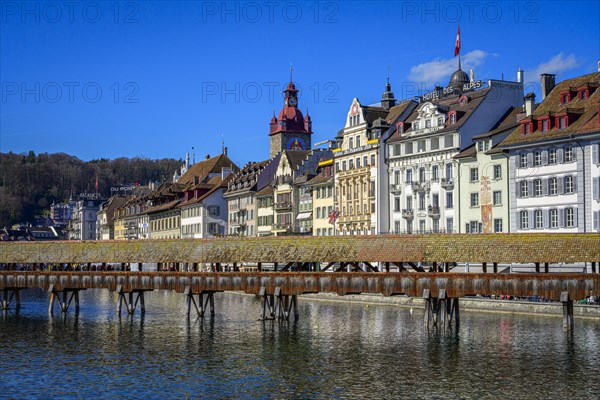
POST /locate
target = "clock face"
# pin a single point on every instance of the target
(292, 101)
(296, 143)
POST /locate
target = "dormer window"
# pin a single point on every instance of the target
(583, 94)
(416, 124)
(427, 123)
(562, 121)
(400, 128)
(526, 127)
(452, 116)
(544, 124)
(565, 97)
(440, 121)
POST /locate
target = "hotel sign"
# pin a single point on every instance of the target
(122, 188)
(449, 90)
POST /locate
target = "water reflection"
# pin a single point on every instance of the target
(335, 350)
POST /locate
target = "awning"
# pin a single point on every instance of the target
(304, 215)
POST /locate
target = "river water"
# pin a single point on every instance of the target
(334, 351)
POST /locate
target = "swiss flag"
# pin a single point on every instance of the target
(333, 216)
(457, 45)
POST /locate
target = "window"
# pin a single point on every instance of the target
(397, 203)
(544, 125)
(427, 123)
(497, 171)
(435, 173)
(416, 125)
(343, 165)
(448, 171)
(569, 156)
(569, 217)
(583, 94)
(421, 201)
(497, 225)
(421, 145)
(357, 141)
(440, 121)
(357, 162)
(554, 218)
(562, 122)
(409, 202)
(409, 176)
(537, 187)
(538, 219)
(372, 160)
(435, 199)
(365, 161)
(569, 184)
(523, 160)
(421, 174)
(213, 211)
(497, 195)
(422, 226)
(350, 143)
(396, 177)
(474, 199)
(474, 174)
(350, 164)
(553, 186)
(565, 98)
(524, 219)
(449, 200)
(552, 157)
(537, 158)
(452, 118)
(212, 228)
(448, 141)
(434, 143)
(523, 189)
(480, 146)
(450, 225)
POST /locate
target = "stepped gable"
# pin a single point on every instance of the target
(583, 112)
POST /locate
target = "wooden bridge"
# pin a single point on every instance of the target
(279, 289)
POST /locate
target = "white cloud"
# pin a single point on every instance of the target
(439, 70)
(557, 64)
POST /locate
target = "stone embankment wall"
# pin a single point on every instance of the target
(469, 304)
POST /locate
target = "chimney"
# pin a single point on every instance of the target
(207, 156)
(225, 150)
(548, 83)
(529, 103)
(520, 76)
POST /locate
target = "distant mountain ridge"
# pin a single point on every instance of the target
(30, 183)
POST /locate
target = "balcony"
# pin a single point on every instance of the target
(283, 205)
(285, 227)
(408, 213)
(396, 189)
(433, 212)
(447, 183)
(420, 186)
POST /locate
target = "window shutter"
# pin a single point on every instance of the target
(531, 219)
(559, 155)
(596, 188)
(596, 153)
(545, 185)
(575, 212)
(559, 182)
(561, 218)
(545, 157)
(530, 188)
(546, 215)
(574, 184)
(529, 159)
(518, 189)
(596, 220)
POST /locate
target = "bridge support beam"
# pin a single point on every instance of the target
(7, 296)
(285, 304)
(268, 304)
(202, 305)
(567, 304)
(441, 309)
(131, 300)
(64, 300)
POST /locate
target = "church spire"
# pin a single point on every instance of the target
(387, 98)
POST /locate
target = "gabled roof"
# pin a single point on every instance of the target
(586, 110)
(508, 121)
(215, 183)
(202, 169)
(247, 177)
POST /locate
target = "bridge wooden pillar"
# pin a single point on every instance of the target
(441, 309)
(567, 304)
(64, 301)
(135, 296)
(484, 267)
(285, 304)
(202, 305)
(7, 296)
(495, 266)
(593, 267)
(268, 304)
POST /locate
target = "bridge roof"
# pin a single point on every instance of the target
(501, 248)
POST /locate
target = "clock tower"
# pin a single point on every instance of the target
(291, 130)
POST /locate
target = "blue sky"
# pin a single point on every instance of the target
(154, 79)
